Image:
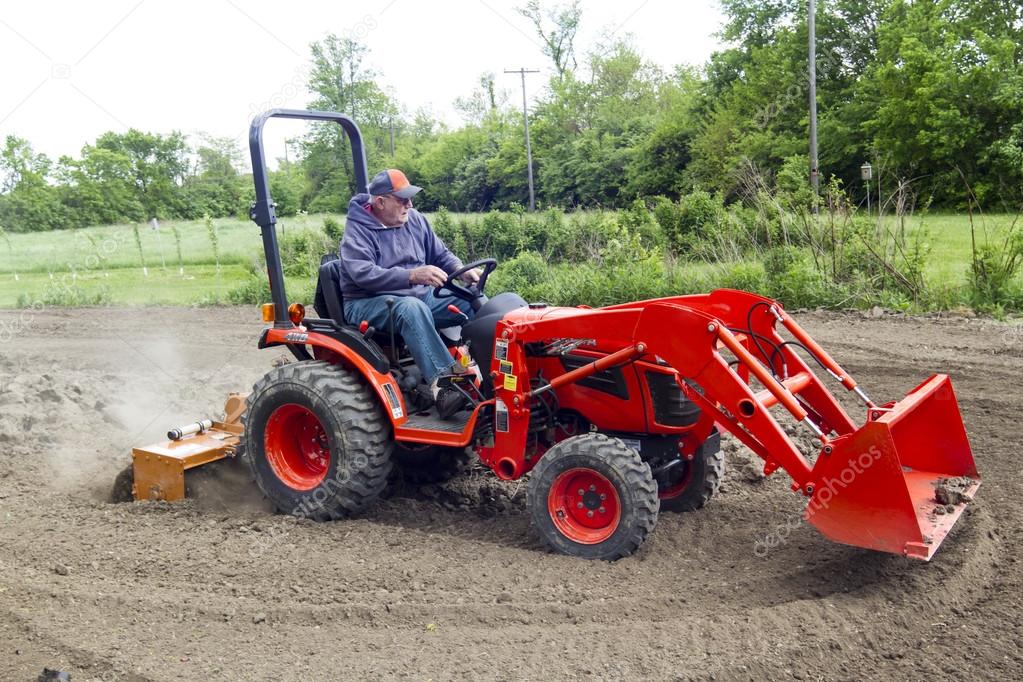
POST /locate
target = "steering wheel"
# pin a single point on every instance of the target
(472, 292)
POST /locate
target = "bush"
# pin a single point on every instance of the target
(638, 220)
(255, 291)
(745, 276)
(333, 228)
(694, 218)
(792, 279)
(525, 272)
(301, 251)
(992, 272)
(65, 297)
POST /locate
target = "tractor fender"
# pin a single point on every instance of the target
(330, 349)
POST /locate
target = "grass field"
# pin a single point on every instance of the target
(104, 261)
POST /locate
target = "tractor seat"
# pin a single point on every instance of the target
(329, 304)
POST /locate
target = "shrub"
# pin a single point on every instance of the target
(301, 251)
(992, 271)
(791, 277)
(524, 272)
(694, 218)
(638, 220)
(66, 297)
(745, 276)
(333, 229)
(700, 212)
(255, 290)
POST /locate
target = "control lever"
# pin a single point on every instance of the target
(452, 308)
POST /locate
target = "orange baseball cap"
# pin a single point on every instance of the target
(392, 181)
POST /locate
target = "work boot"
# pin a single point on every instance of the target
(448, 399)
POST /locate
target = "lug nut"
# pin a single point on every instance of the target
(589, 514)
(603, 497)
(578, 505)
(581, 492)
(593, 488)
(602, 510)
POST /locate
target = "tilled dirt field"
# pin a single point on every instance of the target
(449, 582)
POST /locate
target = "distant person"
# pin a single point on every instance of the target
(388, 251)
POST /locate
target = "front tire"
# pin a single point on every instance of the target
(318, 443)
(591, 496)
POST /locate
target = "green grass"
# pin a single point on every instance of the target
(128, 285)
(949, 239)
(106, 259)
(64, 250)
(109, 261)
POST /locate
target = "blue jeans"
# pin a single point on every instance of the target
(417, 320)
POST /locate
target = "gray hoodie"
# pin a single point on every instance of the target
(377, 260)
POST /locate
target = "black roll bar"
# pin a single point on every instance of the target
(263, 211)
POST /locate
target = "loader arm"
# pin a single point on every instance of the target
(871, 486)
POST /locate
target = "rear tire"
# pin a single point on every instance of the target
(424, 464)
(695, 481)
(614, 512)
(317, 442)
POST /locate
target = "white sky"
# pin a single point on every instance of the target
(73, 70)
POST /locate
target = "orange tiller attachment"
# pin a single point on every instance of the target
(899, 482)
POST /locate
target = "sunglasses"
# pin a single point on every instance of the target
(403, 202)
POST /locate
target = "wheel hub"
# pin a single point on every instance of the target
(584, 506)
(591, 500)
(297, 448)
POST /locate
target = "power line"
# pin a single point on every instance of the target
(525, 117)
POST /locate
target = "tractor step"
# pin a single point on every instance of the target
(431, 421)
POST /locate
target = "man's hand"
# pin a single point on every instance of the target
(471, 276)
(430, 275)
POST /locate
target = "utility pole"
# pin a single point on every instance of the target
(529, 151)
(811, 21)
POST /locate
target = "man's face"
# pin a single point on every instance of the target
(392, 211)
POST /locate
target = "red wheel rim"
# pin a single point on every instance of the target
(679, 487)
(296, 447)
(584, 506)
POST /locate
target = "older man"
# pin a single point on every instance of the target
(389, 251)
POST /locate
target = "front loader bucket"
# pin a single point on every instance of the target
(898, 483)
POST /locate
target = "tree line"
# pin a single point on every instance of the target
(929, 93)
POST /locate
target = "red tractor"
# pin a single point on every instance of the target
(614, 413)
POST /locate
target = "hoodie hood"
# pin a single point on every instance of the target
(360, 215)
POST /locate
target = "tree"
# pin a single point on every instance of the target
(556, 28)
(28, 201)
(341, 82)
(215, 188)
(483, 101)
(100, 189)
(157, 166)
(944, 95)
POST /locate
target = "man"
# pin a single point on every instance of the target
(389, 251)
